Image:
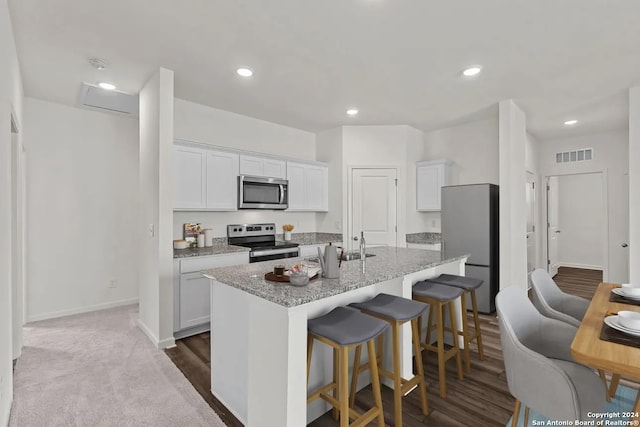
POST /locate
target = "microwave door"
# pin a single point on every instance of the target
(262, 195)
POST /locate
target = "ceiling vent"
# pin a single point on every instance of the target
(111, 101)
(581, 155)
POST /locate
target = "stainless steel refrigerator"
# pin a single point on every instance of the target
(470, 226)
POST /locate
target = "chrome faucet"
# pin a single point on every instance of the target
(363, 246)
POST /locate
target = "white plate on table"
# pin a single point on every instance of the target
(619, 291)
(613, 322)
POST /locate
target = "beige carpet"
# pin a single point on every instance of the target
(99, 369)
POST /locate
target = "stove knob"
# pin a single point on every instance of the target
(235, 229)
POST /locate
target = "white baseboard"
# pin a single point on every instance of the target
(144, 328)
(574, 265)
(80, 310)
(166, 343)
(160, 344)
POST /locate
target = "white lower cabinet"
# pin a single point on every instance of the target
(192, 310)
(194, 300)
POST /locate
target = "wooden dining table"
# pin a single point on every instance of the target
(588, 349)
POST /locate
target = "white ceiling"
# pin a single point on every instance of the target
(398, 61)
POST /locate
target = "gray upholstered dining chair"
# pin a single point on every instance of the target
(541, 372)
(553, 303)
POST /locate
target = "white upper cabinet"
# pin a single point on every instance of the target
(262, 166)
(431, 176)
(308, 187)
(189, 191)
(296, 188)
(204, 179)
(222, 181)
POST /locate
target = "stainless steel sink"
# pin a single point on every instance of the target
(351, 256)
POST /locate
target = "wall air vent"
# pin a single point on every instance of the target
(108, 101)
(581, 155)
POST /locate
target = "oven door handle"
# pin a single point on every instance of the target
(274, 252)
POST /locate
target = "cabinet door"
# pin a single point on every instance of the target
(428, 185)
(296, 178)
(194, 300)
(252, 166)
(316, 183)
(274, 168)
(222, 181)
(189, 189)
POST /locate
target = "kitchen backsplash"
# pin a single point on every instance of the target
(303, 222)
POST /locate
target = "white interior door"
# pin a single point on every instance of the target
(553, 228)
(619, 248)
(531, 226)
(374, 200)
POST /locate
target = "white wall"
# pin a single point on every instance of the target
(200, 123)
(379, 146)
(611, 151)
(634, 185)
(154, 232)
(513, 226)
(10, 100)
(82, 190)
(473, 149)
(581, 219)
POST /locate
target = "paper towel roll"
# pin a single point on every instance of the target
(208, 237)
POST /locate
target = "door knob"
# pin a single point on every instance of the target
(624, 245)
(355, 238)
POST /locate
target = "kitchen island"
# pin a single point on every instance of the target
(259, 329)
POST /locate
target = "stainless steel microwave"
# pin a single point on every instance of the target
(256, 192)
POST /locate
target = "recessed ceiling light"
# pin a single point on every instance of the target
(352, 111)
(107, 86)
(571, 122)
(244, 72)
(472, 71)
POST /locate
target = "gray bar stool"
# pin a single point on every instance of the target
(469, 286)
(344, 328)
(440, 297)
(396, 311)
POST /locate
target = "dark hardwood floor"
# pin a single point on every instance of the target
(481, 399)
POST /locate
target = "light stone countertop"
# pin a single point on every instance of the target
(389, 263)
(424, 238)
(216, 249)
(312, 238)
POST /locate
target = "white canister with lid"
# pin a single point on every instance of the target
(201, 240)
(208, 237)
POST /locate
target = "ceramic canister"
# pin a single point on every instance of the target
(208, 237)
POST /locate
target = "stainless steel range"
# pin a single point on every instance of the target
(261, 238)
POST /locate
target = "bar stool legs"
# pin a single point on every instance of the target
(465, 334)
(439, 308)
(396, 311)
(400, 385)
(343, 329)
